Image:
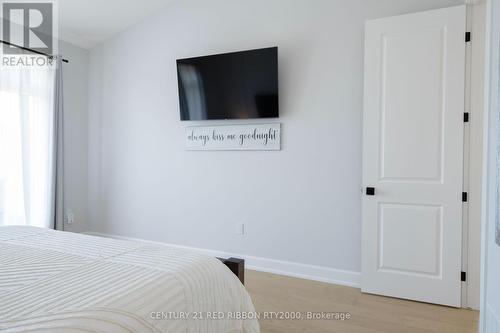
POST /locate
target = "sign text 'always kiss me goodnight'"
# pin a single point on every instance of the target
(234, 137)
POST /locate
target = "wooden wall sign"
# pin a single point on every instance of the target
(234, 137)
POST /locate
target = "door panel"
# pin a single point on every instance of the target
(413, 155)
(403, 228)
(411, 125)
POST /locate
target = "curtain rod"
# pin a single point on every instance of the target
(31, 50)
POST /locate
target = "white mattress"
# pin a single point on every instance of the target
(53, 281)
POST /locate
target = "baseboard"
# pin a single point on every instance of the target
(492, 321)
(287, 268)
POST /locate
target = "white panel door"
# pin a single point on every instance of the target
(413, 156)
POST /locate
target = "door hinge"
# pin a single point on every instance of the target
(464, 196)
(463, 276)
(466, 117)
(468, 36)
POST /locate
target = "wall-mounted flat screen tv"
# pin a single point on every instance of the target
(238, 85)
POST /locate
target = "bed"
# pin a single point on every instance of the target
(54, 281)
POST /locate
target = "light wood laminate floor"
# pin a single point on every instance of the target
(369, 313)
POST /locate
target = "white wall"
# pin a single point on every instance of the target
(301, 204)
(490, 307)
(75, 89)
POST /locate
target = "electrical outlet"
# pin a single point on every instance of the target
(240, 228)
(70, 217)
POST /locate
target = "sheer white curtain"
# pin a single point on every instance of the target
(27, 139)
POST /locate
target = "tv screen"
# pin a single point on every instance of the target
(237, 85)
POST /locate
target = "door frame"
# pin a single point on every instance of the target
(473, 153)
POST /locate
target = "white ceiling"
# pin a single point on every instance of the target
(87, 23)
